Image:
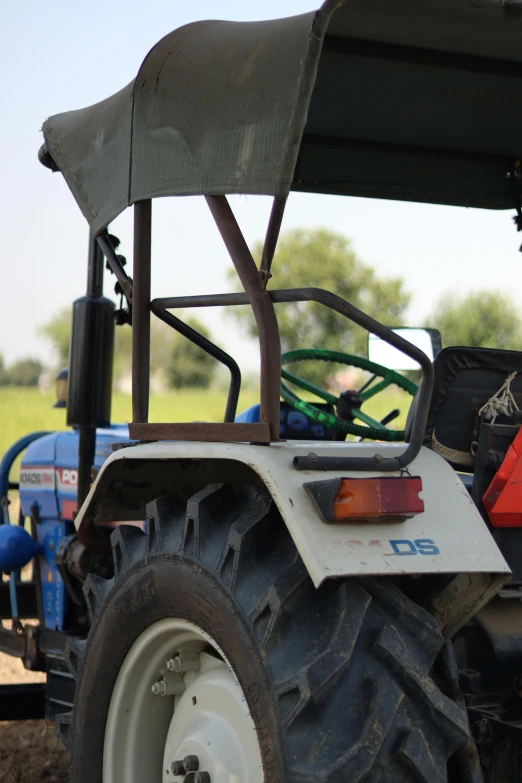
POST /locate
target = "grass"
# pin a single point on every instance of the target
(24, 410)
(27, 410)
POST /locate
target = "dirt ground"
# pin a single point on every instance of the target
(29, 750)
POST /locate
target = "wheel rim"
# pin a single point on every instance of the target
(203, 714)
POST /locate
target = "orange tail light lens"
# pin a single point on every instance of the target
(386, 499)
(503, 497)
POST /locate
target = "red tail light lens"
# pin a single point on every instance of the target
(389, 498)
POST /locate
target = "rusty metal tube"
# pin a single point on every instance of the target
(263, 309)
(271, 237)
(141, 311)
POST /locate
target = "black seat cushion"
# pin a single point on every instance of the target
(465, 379)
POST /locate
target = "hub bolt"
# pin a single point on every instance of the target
(159, 688)
(184, 661)
(177, 768)
(201, 777)
(191, 763)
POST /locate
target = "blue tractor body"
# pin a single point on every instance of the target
(48, 494)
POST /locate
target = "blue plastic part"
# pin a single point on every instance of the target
(17, 547)
(250, 416)
(7, 461)
(54, 595)
(49, 473)
(49, 479)
(12, 550)
(13, 598)
(292, 423)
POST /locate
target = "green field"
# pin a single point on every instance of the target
(25, 410)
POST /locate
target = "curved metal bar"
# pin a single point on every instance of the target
(311, 462)
(263, 309)
(376, 462)
(7, 463)
(213, 350)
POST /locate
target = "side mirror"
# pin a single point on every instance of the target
(381, 352)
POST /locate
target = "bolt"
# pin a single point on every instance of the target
(177, 768)
(191, 763)
(184, 661)
(159, 688)
(201, 777)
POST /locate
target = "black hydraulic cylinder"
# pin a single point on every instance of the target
(90, 362)
(90, 366)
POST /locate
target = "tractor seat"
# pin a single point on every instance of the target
(465, 379)
(294, 425)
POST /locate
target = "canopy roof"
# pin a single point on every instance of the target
(408, 99)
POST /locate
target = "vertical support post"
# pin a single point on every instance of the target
(263, 309)
(141, 311)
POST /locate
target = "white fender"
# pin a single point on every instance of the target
(460, 540)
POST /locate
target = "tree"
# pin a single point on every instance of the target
(487, 319)
(325, 259)
(58, 332)
(4, 375)
(25, 372)
(189, 365)
(180, 361)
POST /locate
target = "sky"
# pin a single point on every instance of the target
(59, 55)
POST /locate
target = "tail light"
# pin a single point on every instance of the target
(384, 499)
(503, 497)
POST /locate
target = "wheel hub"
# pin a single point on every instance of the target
(177, 702)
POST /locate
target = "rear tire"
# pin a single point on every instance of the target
(337, 679)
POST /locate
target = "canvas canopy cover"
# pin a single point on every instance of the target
(405, 99)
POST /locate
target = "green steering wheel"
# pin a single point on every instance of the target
(374, 430)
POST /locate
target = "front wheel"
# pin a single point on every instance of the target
(212, 658)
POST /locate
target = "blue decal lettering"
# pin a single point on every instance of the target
(425, 546)
(398, 545)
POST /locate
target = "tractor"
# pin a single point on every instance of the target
(262, 600)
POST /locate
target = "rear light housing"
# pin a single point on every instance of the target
(503, 497)
(382, 499)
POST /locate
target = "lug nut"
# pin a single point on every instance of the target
(159, 688)
(171, 685)
(191, 763)
(201, 777)
(177, 768)
(184, 661)
(173, 664)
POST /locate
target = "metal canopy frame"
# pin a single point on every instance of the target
(141, 335)
(314, 141)
(262, 301)
(254, 282)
